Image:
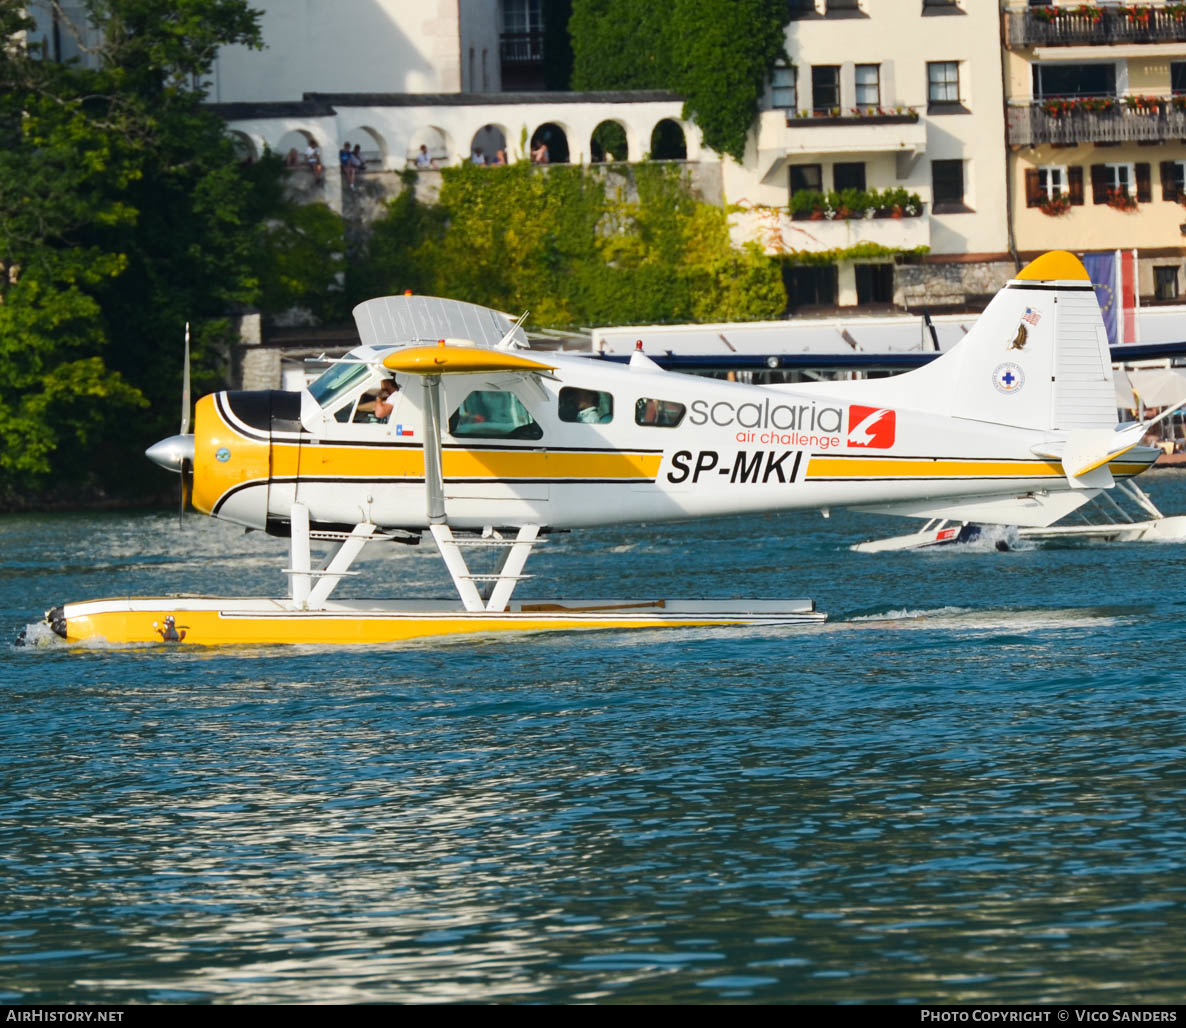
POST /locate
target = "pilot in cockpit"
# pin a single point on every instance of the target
(388, 395)
(378, 406)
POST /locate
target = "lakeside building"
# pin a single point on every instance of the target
(883, 96)
(1096, 109)
(873, 99)
(967, 135)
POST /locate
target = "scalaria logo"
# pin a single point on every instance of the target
(871, 427)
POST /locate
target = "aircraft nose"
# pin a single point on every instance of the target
(169, 453)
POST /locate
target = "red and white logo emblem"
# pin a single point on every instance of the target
(872, 427)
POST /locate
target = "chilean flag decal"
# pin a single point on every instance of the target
(871, 427)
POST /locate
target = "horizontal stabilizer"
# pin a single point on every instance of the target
(1032, 510)
(1088, 450)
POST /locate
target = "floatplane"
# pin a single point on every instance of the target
(443, 422)
(1125, 514)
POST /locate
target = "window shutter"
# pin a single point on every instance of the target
(1075, 184)
(1144, 183)
(1033, 190)
(1169, 181)
(1099, 183)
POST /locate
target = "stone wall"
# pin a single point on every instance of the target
(936, 285)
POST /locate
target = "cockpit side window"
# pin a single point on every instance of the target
(335, 381)
(493, 414)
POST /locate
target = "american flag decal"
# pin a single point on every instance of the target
(1032, 316)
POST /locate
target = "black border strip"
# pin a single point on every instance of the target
(1051, 289)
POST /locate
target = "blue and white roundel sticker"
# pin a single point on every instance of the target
(1008, 378)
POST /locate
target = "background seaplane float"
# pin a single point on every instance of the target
(1124, 514)
(488, 447)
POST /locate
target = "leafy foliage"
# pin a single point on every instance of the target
(301, 261)
(725, 63)
(718, 53)
(576, 246)
(123, 214)
(858, 252)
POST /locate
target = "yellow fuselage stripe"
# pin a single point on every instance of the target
(343, 461)
(848, 467)
(843, 467)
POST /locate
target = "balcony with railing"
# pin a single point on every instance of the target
(521, 47)
(1087, 24)
(1074, 120)
(784, 133)
(779, 230)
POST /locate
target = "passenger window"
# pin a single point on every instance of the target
(658, 413)
(489, 414)
(586, 406)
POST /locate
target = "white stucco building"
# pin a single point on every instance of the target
(364, 46)
(1005, 127)
(879, 96)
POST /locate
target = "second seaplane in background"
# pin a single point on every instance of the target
(486, 445)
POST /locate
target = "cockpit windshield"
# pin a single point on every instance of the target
(336, 380)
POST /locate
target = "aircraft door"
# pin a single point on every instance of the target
(493, 446)
(284, 453)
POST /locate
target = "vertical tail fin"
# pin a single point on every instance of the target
(1036, 358)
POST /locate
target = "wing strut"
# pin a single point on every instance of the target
(497, 586)
(310, 587)
(434, 486)
(430, 362)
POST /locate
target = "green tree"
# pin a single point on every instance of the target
(719, 54)
(391, 261)
(123, 213)
(575, 246)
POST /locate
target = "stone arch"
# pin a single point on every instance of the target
(555, 138)
(373, 147)
(668, 142)
(608, 142)
(247, 150)
(435, 140)
(298, 140)
(490, 139)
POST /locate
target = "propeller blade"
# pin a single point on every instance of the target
(185, 400)
(187, 486)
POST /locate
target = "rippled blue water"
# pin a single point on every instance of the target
(969, 785)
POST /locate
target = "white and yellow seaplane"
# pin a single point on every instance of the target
(486, 444)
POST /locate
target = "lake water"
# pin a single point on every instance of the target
(970, 785)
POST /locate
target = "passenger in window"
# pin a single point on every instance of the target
(586, 406)
(659, 413)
